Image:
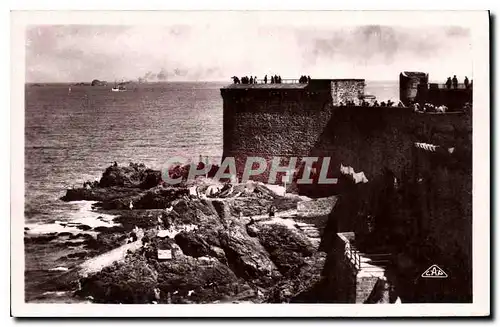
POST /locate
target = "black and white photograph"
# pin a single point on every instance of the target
(239, 159)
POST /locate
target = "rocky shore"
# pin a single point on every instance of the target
(199, 243)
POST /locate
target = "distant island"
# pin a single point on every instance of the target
(97, 82)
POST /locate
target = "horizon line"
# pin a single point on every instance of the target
(183, 81)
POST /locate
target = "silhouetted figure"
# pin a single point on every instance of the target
(466, 82)
(389, 103)
(272, 210)
(279, 79)
(251, 79)
(115, 164)
(375, 104)
(448, 83)
(272, 79)
(265, 79)
(308, 79)
(455, 81)
(255, 80)
(382, 104)
(276, 79)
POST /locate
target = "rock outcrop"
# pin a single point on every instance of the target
(216, 255)
(247, 257)
(134, 175)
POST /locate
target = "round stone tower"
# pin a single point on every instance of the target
(409, 83)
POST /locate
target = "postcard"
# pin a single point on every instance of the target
(250, 163)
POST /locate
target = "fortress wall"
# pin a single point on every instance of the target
(409, 84)
(279, 126)
(438, 216)
(435, 213)
(452, 98)
(347, 90)
(442, 211)
(369, 139)
(365, 138)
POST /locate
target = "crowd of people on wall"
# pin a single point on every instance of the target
(245, 80)
(389, 103)
(454, 82)
(304, 79)
(429, 107)
(276, 79)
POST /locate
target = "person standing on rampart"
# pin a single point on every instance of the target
(265, 79)
(448, 83)
(455, 81)
(466, 82)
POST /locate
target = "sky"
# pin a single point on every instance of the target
(215, 51)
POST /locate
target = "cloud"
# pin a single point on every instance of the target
(219, 50)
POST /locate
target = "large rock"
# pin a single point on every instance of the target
(145, 219)
(100, 193)
(287, 247)
(194, 211)
(246, 256)
(202, 280)
(132, 281)
(307, 285)
(160, 198)
(201, 242)
(130, 176)
(181, 280)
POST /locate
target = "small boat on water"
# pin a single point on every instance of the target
(118, 88)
